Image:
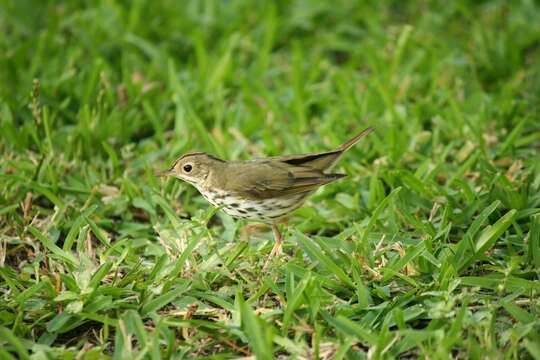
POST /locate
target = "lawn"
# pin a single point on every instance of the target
(430, 247)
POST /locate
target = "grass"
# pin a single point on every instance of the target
(430, 248)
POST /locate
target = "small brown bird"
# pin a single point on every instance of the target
(264, 190)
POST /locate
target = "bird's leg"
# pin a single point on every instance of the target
(276, 250)
(277, 245)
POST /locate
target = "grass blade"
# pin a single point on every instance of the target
(258, 336)
(8, 336)
(534, 241)
(316, 253)
(52, 247)
(488, 237)
(162, 300)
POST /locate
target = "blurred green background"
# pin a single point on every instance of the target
(430, 248)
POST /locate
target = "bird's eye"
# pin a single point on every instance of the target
(187, 168)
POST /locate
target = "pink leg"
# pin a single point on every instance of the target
(276, 250)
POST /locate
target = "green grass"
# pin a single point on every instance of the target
(429, 248)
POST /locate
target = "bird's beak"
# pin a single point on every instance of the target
(168, 172)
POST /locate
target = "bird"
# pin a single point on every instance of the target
(264, 190)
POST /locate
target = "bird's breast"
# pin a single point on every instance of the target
(264, 210)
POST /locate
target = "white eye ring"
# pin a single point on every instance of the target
(187, 168)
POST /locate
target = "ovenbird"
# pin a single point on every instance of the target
(264, 190)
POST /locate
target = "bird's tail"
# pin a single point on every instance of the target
(346, 146)
(325, 160)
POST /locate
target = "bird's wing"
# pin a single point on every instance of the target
(268, 179)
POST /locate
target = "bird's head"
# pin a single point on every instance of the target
(193, 168)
